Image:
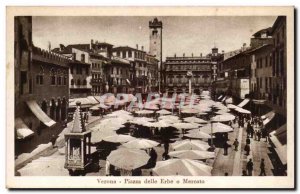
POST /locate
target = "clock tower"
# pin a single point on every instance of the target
(155, 49)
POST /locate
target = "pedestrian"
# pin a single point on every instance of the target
(87, 117)
(248, 141)
(226, 145)
(251, 131)
(153, 157)
(267, 137)
(151, 173)
(165, 156)
(248, 130)
(247, 149)
(249, 167)
(244, 173)
(236, 144)
(255, 134)
(262, 168)
(166, 146)
(258, 135)
(225, 136)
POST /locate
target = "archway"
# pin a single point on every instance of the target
(52, 109)
(58, 109)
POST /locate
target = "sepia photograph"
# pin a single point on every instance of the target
(126, 98)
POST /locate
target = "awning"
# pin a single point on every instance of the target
(98, 106)
(244, 102)
(219, 98)
(85, 102)
(279, 138)
(241, 110)
(39, 113)
(92, 99)
(268, 117)
(23, 130)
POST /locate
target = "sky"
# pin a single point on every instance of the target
(181, 34)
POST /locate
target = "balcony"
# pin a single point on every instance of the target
(79, 87)
(96, 81)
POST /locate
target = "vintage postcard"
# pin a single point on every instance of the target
(150, 97)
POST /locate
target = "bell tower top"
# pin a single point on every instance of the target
(155, 23)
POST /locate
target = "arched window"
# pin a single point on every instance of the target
(72, 82)
(82, 57)
(40, 76)
(65, 78)
(78, 82)
(59, 77)
(53, 75)
(84, 82)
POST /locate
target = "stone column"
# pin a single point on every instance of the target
(82, 152)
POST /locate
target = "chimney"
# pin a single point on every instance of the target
(192, 54)
(142, 48)
(137, 46)
(92, 41)
(175, 55)
(200, 54)
(244, 46)
(61, 47)
(183, 54)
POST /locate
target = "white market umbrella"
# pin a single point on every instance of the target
(241, 110)
(164, 112)
(202, 113)
(128, 159)
(159, 124)
(169, 119)
(190, 111)
(190, 145)
(140, 144)
(222, 112)
(98, 136)
(216, 128)
(46, 166)
(121, 112)
(151, 107)
(125, 117)
(141, 120)
(192, 154)
(118, 138)
(198, 135)
(232, 106)
(223, 118)
(181, 167)
(194, 120)
(185, 125)
(112, 121)
(144, 112)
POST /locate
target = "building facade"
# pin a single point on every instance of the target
(80, 76)
(234, 72)
(138, 76)
(41, 90)
(117, 74)
(98, 80)
(178, 67)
